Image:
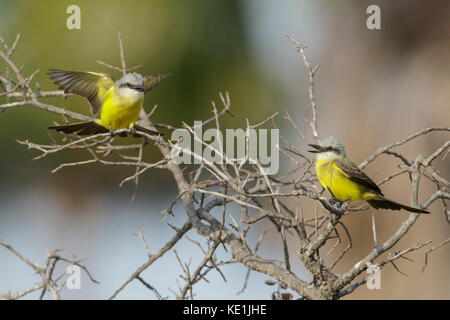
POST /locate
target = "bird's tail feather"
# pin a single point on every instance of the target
(81, 128)
(147, 131)
(92, 127)
(383, 203)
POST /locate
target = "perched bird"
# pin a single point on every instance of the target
(345, 181)
(118, 102)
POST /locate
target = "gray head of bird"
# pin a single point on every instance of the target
(131, 84)
(329, 148)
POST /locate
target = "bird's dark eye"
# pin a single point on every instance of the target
(330, 149)
(123, 85)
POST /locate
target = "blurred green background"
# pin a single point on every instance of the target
(375, 86)
(202, 44)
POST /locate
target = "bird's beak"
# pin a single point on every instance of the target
(317, 147)
(137, 87)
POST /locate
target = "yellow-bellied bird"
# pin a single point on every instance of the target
(118, 102)
(345, 181)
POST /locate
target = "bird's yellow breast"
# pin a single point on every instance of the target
(343, 188)
(119, 112)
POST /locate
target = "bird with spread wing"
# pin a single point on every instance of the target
(118, 103)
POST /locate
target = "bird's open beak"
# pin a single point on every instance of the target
(317, 147)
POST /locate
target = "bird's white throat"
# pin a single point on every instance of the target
(328, 155)
(126, 92)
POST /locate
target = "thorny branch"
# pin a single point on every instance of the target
(279, 200)
(49, 281)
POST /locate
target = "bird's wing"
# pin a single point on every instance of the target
(153, 80)
(351, 170)
(90, 85)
